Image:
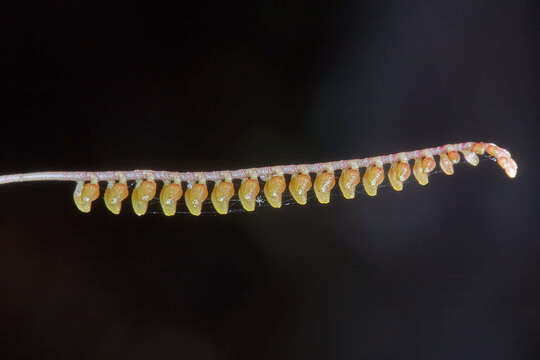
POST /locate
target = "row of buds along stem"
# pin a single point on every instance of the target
(299, 186)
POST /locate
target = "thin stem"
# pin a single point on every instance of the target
(262, 172)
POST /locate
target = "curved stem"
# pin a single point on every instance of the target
(261, 172)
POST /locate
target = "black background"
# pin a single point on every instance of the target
(443, 272)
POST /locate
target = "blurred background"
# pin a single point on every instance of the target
(445, 271)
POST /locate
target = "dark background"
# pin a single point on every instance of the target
(443, 272)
